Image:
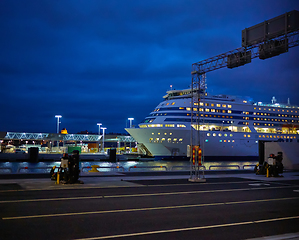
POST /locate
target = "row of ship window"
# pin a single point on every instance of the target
(230, 106)
(220, 111)
(180, 140)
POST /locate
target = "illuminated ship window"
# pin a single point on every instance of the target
(218, 105)
(214, 134)
(181, 108)
(233, 140)
(225, 135)
(212, 110)
(188, 109)
(219, 134)
(159, 133)
(220, 140)
(223, 105)
(208, 134)
(165, 133)
(175, 139)
(207, 140)
(244, 135)
(153, 133)
(229, 111)
(229, 106)
(248, 135)
(201, 109)
(167, 104)
(151, 139)
(163, 139)
(230, 135)
(143, 126)
(169, 139)
(173, 103)
(170, 133)
(157, 139)
(201, 104)
(180, 139)
(207, 109)
(181, 125)
(212, 104)
(224, 140)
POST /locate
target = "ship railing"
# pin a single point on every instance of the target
(148, 167)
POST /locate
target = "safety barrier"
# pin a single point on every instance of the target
(252, 165)
(186, 167)
(112, 167)
(6, 168)
(224, 166)
(32, 168)
(148, 167)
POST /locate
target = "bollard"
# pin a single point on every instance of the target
(267, 172)
(58, 177)
(94, 168)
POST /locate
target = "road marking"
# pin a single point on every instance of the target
(147, 209)
(191, 228)
(142, 195)
(259, 184)
(296, 190)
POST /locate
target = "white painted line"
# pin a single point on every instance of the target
(296, 190)
(190, 229)
(142, 195)
(146, 209)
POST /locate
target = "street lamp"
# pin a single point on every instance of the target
(103, 137)
(130, 119)
(58, 116)
(99, 124)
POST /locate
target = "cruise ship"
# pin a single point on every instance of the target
(227, 127)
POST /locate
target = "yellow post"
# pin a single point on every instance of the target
(268, 171)
(58, 177)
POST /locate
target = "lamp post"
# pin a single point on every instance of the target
(99, 124)
(130, 119)
(103, 137)
(58, 116)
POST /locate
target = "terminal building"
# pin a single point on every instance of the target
(61, 143)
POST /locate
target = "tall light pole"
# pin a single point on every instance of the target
(58, 116)
(130, 119)
(103, 137)
(99, 124)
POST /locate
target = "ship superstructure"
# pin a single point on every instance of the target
(229, 127)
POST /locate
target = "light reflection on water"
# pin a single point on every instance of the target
(44, 167)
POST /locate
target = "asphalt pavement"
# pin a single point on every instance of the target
(151, 205)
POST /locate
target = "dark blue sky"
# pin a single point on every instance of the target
(105, 61)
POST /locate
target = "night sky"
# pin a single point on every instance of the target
(104, 61)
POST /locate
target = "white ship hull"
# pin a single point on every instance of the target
(229, 128)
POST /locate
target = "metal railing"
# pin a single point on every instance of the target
(148, 167)
(5, 168)
(33, 168)
(224, 166)
(111, 167)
